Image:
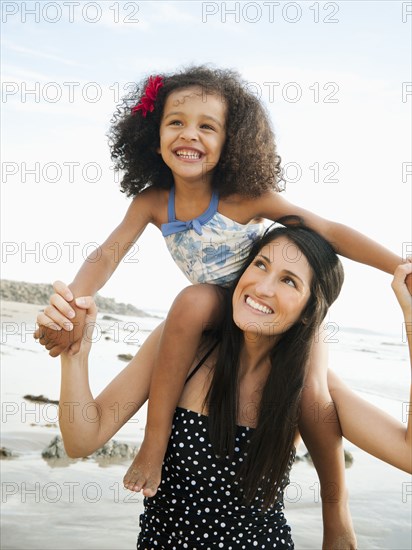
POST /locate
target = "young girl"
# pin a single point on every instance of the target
(199, 158)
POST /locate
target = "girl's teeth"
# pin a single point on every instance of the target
(257, 306)
(187, 155)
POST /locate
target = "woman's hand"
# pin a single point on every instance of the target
(61, 313)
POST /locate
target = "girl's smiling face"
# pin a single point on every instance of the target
(273, 291)
(192, 134)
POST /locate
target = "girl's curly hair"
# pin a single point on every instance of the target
(248, 165)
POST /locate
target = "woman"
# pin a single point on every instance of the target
(235, 427)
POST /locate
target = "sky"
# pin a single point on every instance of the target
(334, 76)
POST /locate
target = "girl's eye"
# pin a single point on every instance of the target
(175, 123)
(207, 127)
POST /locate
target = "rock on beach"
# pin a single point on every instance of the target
(112, 450)
(39, 293)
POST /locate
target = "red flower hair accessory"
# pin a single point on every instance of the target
(147, 102)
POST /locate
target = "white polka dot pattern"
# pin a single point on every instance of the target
(199, 504)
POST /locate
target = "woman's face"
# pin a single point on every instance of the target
(274, 290)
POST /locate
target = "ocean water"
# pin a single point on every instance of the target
(374, 364)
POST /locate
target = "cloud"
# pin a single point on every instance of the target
(169, 12)
(39, 54)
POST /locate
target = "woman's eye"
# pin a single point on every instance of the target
(260, 264)
(290, 281)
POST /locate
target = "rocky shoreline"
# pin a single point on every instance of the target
(115, 450)
(112, 450)
(39, 293)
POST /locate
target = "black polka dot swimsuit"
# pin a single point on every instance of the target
(198, 505)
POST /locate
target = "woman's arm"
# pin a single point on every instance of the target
(365, 425)
(370, 428)
(321, 433)
(86, 423)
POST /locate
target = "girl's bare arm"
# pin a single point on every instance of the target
(93, 274)
(346, 241)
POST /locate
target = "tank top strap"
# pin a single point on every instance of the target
(171, 216)
(197, 367)
(175, 226)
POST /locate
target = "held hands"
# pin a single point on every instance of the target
(408, 280)
(89, 309)
(401, 285)
(62, 322)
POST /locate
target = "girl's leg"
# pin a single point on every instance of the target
(196, 309)
(320, 429)
(370, 428)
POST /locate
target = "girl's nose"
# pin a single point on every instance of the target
(189, 133)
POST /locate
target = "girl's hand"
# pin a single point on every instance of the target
(61, 313)
(399, 285)
(89, 308)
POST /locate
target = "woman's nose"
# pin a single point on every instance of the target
(266, 287)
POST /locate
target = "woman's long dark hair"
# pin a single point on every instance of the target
(271, 449)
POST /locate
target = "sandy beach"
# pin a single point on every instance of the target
(82, 504)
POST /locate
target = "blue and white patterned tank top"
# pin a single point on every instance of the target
(210, 248)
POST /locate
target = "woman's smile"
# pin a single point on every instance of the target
(258, 306)
(273, 291)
